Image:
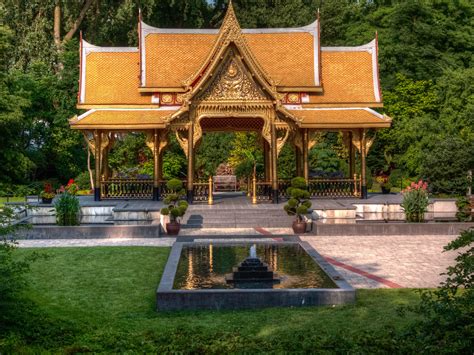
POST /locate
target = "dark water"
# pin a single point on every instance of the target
(205, 267)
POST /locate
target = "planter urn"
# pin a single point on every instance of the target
(173, 228)
(299, 227)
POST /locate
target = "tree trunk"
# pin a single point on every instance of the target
(78, 21)
(57, 24)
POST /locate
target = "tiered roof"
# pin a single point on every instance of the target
(328, 87)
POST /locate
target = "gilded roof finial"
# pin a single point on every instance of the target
(230, 19)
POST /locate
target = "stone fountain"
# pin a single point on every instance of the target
(252, 273)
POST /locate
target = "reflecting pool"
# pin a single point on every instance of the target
(206, 266)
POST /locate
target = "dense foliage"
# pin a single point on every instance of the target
(425, 55)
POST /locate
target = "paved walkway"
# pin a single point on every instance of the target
(364, 261)
(405, 260)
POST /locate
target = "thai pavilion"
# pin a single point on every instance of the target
(279, 82)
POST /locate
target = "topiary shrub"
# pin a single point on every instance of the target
(299, 202)
(176, 205)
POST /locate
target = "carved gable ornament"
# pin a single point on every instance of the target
(232, 82)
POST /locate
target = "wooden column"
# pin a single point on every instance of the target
(274, 164)
(351, 152)
(266, 161)
(98, 158)
(298, 161)
(156, 166)
(190, 163)
(105, 164)
(160, 166)
(305, 155)
(363, 155)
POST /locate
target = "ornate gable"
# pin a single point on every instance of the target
(230, 39)
(232, 81)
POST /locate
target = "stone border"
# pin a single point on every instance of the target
(381, 228)
(90, 232)
(169, 299)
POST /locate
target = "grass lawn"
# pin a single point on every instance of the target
(103, 299)
(3, 200)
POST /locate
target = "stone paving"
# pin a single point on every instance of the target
(364, 261)
(102, 242)
(408, 260)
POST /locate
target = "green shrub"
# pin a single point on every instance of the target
(67, 210)
(83, 181)
(415, 201)
(464, 209)
(176, 206)
(299, 202)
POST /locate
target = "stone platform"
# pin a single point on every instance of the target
(235, 210)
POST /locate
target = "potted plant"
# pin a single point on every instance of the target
(384, 182)
(176, 206)
(415, 201)
(298, 204)
(47, 194)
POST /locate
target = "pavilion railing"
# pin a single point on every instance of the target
(283, 186)
(335, 187)
(263, 191)
(201, 191)
(117, 188)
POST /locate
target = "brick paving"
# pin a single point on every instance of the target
(410, 261)
(364, 261)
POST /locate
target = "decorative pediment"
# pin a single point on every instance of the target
(232, 82)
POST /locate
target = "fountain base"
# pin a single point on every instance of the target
(252, 273)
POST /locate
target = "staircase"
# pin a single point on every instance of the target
(250, 217)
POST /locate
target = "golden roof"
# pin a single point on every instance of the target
(341, 118)
(171, 58)
(347, 77)
(111, 78)
(288, 64)
(121, 119)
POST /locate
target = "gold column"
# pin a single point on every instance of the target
(156, 166)
(274, 163)
(351, 156)
(305, 155)
(98, 158)
(190, 162)
(105, 164)
(363, 154)
(298, 161)
(266, 160)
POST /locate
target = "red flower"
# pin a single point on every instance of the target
(70, 182)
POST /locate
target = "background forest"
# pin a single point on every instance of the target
(426, 57)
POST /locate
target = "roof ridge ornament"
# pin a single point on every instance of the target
(229, 32)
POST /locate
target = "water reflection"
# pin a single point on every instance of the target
(205, 266)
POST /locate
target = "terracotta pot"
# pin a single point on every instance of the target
(173, 228)
(299, 227)
(46, 200)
